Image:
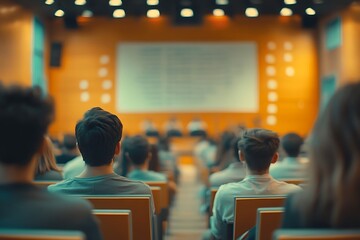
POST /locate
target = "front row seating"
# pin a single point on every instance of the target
(27, 234)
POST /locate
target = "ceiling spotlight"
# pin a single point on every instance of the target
(187, 12)
(286, 12)
(310, 11)
(153, 13)
(80, 2)
(87, 13)
(218, 12)
(251, 12)
(49, 2)
(152, 2)
(59, 13)
(222, 2)
(119, 13)
(290, 2)
(115, 2)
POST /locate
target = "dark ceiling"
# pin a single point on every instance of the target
(172, 7)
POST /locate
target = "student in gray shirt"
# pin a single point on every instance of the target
(24, 118)
(98, 136)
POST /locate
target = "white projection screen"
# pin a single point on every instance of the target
(187, 77)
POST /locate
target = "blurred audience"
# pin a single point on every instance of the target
(69, 150)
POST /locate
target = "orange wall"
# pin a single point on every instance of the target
(15, 45)
(297, 96)
(343, 61)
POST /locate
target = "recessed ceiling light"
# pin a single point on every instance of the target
(290, 2)
(251, 12)
(115, 2)
(218, 12)
(49, 2)
(153, 13)
(59, 13)
(119, 13)
(87, 13)
(152, 2)
(80, 2)
(310, 11)
(286, 12)
(187, 12)
(222, 2)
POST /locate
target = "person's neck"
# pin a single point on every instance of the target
(17, 174)
(143, 167)
(90, 171)
(255, 172)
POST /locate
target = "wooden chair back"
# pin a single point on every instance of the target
(115, 224)
(294, 181)
(139, 205)
(267, 221)
(316, 234)
(26, 234)
(44, 184)
(156, 193)
(164, 192)
(246, 210)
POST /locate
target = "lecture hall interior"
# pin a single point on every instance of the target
(190, 77)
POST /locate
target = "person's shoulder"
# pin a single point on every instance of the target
(68, 202)
(158, 176)
(287, 187)
(138, 186)
(60, 185)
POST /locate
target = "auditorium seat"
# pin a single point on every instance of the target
(267, 221)
(115, 224)
(295, 181)
(139, 206)
(246, 210)
(316, 234)
(213, 192)
(27, 234)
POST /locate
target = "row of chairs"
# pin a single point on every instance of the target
(133, 211)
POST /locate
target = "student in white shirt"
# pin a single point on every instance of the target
(291, 166)
(258, 149)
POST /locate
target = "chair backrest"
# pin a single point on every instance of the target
(213, 192)
(316, 234)
(139, 205)
(25, 234)
(246, 209)
(164, 192)
(115, 224)
(44, 184)
(294, 181)
(267, 221)
(158, 201)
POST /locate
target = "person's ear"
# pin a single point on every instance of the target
(117, 148)
(241, 156)
(275, 158)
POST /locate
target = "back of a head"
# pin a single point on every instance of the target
(98, 134)
(291, 143)
(335, 159)
(258, 146)
(24, 118)
(137, 148)
(69, 141)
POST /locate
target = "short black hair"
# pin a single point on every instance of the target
(258, 146)
(24, 119)
(291, 144)
(138, 149)
(97, 135)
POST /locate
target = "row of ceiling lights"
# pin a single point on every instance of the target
(185, 12)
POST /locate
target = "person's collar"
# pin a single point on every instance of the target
(256, 176)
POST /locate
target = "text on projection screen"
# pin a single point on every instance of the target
(187, 77)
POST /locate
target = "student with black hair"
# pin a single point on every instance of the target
(24, 119)
(292, 166)
(258, 149)
(98, 135)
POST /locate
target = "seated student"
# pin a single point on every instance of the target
(46, 169)
(98, 135)
(24, 118)
(196, 127)
(332, 195)
(291, 166)
(258, 148)
(235, 172)
(138, 153)
(69, 150)
(173, 128)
